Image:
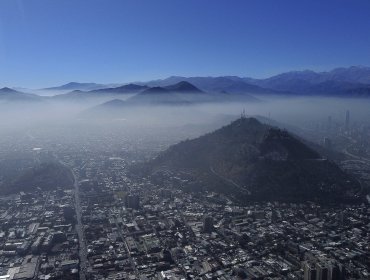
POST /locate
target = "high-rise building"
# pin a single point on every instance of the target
(166, 193)
(336, 272)
(132, 201)
(327, 143)
(207, 224)
(309, 271)
(329, 125)
(323, 269)
(347, 120)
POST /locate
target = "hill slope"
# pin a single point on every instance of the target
(230, 84)
(78, 95)
(184, 87)
(77, 86)
(129, 88)
(179, 94)
(11, 95)
(45, 176)
(352, 81)
(258, 162)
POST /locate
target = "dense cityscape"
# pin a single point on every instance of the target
(184, 140)
(112, 225)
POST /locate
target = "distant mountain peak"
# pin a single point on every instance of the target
(184, 86)
(175, 77)
(8, 90)
(353, 67)
(113, 103)
(77, 86)
(184, 83)
(11, 95)
(132, 86)
(155, 90)
(72, 84)
(128, 88)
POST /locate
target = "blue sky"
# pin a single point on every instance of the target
(51, 42)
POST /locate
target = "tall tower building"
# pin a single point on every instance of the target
(309, 271)
(132, 201)
(207, 224)
(347, 120)
(321, 271)
(336, 272)
(327, 143)
(329, 125)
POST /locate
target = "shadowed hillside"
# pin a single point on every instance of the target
(45, 176)
(258, 162)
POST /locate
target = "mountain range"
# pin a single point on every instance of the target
(344, 82)
(350, 81)
(180, 94)
(340, 82)
(11, 95)
(110, 92)
(77, 86)
(254, 161)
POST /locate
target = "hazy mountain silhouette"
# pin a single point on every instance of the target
(347, 82)
(129, 88)
(352, 81)
(257, 162)
(179, 94)
(77, 86)
(100, 93)
(234, 85)
(340, 82)
(353, 74)
(155, 90)
(183, 87)
(148, 97)
(184, 93)
(8, 94)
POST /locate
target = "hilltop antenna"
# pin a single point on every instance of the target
(243, 115)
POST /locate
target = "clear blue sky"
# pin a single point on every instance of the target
(51, 42)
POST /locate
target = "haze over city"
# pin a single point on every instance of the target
(176, 139)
